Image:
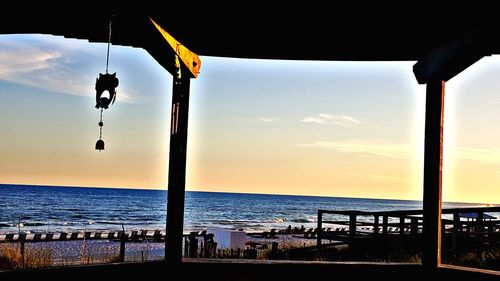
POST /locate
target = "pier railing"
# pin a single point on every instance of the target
(472, 223)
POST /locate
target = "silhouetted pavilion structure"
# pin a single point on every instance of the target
(442, 45)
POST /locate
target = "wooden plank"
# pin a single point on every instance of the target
(190, 60)
(433, 159)
(177, 169)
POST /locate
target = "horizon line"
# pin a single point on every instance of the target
(234, 192)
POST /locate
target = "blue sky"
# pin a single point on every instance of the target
(289, 127)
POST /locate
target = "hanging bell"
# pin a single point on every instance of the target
(105, 82)
(99, 145)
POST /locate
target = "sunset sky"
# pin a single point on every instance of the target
(288, 127)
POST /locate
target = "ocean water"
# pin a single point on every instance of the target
(49, 208)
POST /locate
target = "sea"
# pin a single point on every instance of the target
(31, 208)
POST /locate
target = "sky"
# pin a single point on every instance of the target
(351, 129)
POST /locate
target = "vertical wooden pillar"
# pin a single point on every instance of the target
(177, 169)
(433, 160)
(375, 225)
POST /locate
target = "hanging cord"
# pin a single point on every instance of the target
(109, 43)
(100, 126)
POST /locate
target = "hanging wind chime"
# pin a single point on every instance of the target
(105, 82)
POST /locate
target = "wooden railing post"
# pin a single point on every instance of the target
(480, 224)
(320, 231)
(385, 221)
(456, 229)
(414, 227)
(352, 227)
(123, 239)
(22, 240)
(375, 225)
(402, 226)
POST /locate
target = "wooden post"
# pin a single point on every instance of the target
(479, 222)
(186, 247)
(414, 227)
(123, 239)
(320, 232)
(375, 225)
(274, 250)
(433, 160)
(402, 226)
(456, 228)
(177, 169)
(385, 221)
(22, 240)
(352, 227)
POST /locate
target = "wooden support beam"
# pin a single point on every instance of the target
(453, 55)
(433, 160)
(177, 169)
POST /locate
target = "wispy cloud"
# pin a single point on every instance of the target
(50, 66)
(485, 155)
(268, 120)
(331, 119)
(378, 178)
(371, 148)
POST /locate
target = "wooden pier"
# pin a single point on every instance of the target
(458, 225)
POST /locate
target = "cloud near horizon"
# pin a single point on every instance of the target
(378, 178)
(50, 67)
(386, 149)
(331, 119)
(268, 120)
(367, 148)
(485, 155)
